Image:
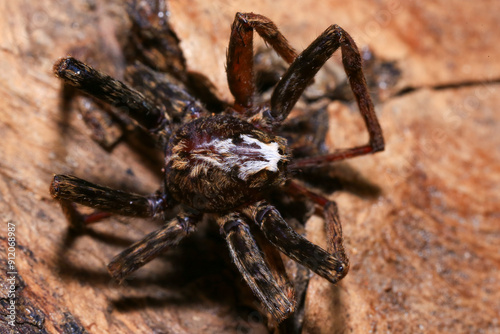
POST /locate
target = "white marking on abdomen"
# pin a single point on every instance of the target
(224, 154)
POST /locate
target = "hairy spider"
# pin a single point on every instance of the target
(222, 165)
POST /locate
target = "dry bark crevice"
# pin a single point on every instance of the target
(455, 85)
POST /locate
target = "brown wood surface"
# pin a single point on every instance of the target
(424, 252)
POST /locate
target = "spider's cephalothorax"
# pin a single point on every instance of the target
(222, 164)
(218, 163)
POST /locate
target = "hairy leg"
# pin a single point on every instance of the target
(332, 267)
(240, 73)
(154, 244)
(335, 243)
(275, 263)
(111, 91)
(302, 71)
(67, 188)
(247, 257)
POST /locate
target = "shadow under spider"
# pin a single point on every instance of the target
(197, 270)
(340, 176)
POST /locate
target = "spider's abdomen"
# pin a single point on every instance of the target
(217, 163)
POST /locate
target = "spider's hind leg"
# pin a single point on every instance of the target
(332, 265)
(154, 244)
(302, 71)
(276, 295)
(335, 242)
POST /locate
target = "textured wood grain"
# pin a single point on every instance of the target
(420, 219)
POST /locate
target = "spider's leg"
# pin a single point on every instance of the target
(302, 71)
(113, 92)
(240, 73)
(154, 244)
(67, 188)
(333, 226)
(273, 259)
(152, 38)
(332, 267)
(164, 90)
(77, 220)
(248, 258)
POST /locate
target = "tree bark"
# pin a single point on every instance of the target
(420, 219)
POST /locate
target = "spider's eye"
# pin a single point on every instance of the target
(342, 270)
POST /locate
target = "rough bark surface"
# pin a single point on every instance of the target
(424, 249)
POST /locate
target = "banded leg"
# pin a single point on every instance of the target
(111, 91)
(247, 257)
(154, 244)
(240, 73)
(302, 71)
(332, 267)
(69, 188)
(273, 259)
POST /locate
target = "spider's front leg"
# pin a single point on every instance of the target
(240, 75)
(113, 92)
(301, 72)
(276, 295)
(331, 266)
(67, 188)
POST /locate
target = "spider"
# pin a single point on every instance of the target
(222, 165)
